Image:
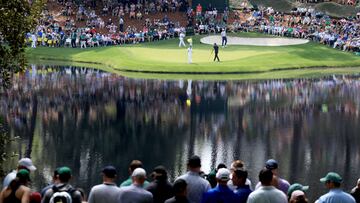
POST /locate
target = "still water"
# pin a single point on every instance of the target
(86, 119)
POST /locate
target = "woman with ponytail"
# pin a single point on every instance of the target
(17, 191)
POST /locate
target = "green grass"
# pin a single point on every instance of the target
(169, 61)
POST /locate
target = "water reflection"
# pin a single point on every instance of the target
(86, 119)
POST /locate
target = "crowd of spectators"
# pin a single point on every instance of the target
(304, 23)
(223, 184)
(87, 27)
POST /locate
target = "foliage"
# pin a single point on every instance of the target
(18, 17)
(4, 138)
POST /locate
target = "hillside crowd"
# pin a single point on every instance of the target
(225, 185)
(87, 27)
(304, 23)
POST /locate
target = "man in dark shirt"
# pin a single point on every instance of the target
(160, 187)
(63, 186)
(216, 51)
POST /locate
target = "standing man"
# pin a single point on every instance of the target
(189, 54)
(160, 188)
(181, 38)
(224, 38)
(216, 51)
(62, 190)
(24, 163)
(33, 40)
(221, 193)
(133, 165)
(73, 39)
(121, 24)
(333, 182)
(282, 184)
(266, 192)
(108, 191)
(239, 178)
(196, 185)
(136, 191)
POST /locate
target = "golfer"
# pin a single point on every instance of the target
(181, 38)
(224, 38)
(216, 51)
(190, 55)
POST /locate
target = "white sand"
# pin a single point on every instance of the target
(254, 41)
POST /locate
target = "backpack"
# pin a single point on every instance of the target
(62, 196)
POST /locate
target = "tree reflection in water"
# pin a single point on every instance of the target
(86, 119)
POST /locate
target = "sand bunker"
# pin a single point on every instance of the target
(254, 41)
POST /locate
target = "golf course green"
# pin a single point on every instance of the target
(165, 60)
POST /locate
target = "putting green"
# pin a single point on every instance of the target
(165, 59)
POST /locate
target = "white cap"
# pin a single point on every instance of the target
(296, 194)
(139, 172)
(223, 174)
(26, 162)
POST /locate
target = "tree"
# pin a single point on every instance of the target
(17, 17)
(4, 138)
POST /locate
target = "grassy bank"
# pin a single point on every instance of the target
(166, 59)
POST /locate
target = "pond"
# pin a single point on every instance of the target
(86, 119)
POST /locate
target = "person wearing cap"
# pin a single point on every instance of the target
(107, 191)
(355, 192)
(54, 182)
(266, 192)
(298, 196)
(196, 185)
(279, 183)
(136, 193)
(17, 191)
(160, 188)
(332, 182)
(221, 193)
(133, 165)
(242, 190)
(294, 187)
(180, 191)
(238, 165)
(24, 163)
(211, 177)
(63, 186)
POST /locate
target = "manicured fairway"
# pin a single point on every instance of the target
(166, 59)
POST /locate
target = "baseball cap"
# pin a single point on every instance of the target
(296, 194)
(223, 174)
(26, 162)
(64, 171)
(296, 186)
(139, 172)
(271, 164)
(23, 174)
(333, 177)
(109, 171)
